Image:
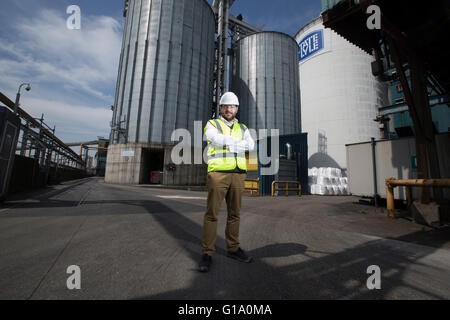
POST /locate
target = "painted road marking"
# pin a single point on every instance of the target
(181, 197)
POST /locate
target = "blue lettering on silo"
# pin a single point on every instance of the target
(310, 44)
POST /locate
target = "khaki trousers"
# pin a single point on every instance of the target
(231, 187)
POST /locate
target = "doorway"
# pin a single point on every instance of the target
(152, 161)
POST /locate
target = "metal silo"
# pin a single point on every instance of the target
(265, 78)
(166, 69)
(339, 95)
(164, 83)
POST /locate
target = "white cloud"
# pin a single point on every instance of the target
(49, 52)
(73, 122)
(72, 72)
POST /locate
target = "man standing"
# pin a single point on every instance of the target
(228, 140)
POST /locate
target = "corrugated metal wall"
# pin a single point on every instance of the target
(265, 78)
(166, 68)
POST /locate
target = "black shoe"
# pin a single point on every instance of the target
(240, 256)
(205, 263)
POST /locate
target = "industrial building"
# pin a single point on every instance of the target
(357, 117)
(165, 82)
(340, 96)
(326, 90)
(177, 59)
(395, 153)
(399, 120)
(408, 48)
(100, 157)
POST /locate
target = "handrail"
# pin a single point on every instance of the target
(286, 188)
(23, 114)
(253, 188)
(391, 183)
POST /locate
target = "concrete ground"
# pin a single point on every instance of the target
(133, 242)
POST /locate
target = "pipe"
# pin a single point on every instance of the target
(408, 196)
(374, 166)
(36, 124)
(421, 182)
(288, 151)
(219, 55)
(391, 183)
(390, 199)
(225, 39)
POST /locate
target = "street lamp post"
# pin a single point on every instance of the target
(16, 105)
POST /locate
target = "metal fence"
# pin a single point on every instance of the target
(38, 141)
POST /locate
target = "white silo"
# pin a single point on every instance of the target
(339, 95)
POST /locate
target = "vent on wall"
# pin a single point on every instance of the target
(399, 100)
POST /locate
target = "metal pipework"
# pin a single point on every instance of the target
(391, 183)
(225, 40)
(221, 49)
(374, 167)
(442, 183)
(288, 151)
(42, 131)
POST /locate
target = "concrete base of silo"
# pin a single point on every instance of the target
(184, 174)
(133, 163)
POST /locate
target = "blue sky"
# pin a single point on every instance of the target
(286, 16)
(73, 72)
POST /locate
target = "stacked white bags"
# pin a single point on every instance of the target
(327, 181)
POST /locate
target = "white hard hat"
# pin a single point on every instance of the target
(229, 99)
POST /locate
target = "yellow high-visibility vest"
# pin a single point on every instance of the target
(219, 158)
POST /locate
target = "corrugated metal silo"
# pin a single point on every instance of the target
(265, 78)
(166, 69)
(339, 95)
(164, 83)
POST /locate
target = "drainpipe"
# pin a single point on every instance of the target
(375, 195)
(288, 151)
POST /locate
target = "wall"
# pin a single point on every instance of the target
(123, 163)
(27, 174)
(393, 159)
(124, 168)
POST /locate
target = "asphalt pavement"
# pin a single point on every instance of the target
(133, 242)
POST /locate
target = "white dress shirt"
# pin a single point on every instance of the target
(233, 144)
